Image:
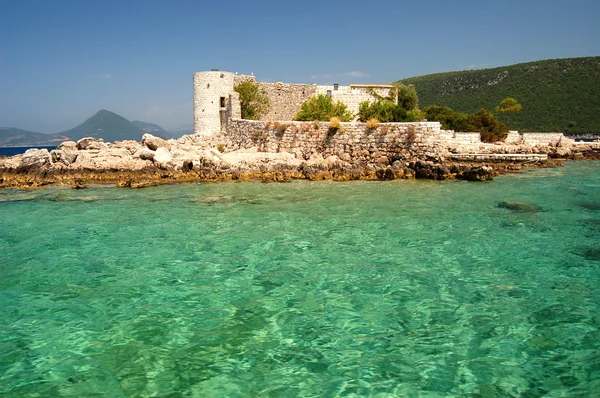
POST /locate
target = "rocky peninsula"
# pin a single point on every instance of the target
(282, 152)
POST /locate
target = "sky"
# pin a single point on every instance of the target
(61, 61)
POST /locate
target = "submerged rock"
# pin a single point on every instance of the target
(589, 253)
(520, 206)
(590, 205)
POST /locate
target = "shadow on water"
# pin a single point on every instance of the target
(593, 206)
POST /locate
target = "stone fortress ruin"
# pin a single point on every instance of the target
(215, 101)
(217, 111)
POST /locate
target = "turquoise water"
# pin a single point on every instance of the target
(304, 289)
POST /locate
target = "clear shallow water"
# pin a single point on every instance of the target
(306, 289)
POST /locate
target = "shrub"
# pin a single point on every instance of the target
(221, 148)
(335, 125)
(449, 119)
(323, 108)
(372, 123)
(491, 129)
(281, 127)
(407, 97)
(384, 111)
(254, 101)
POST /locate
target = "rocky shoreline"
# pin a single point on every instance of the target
(155, 161)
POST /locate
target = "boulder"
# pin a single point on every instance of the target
(431, 170)
(152, 142)
(144, 154)
(131, 145)
(34, 159)
(65, 156)
(91, 143)
(68, 145)
(482, 173)
(163, 158)
(107, 159)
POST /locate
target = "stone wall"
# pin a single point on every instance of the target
(545, 139)
(352, 142)
(211, 91)
(467, 138)
(286, 99)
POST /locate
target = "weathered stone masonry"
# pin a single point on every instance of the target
(215, 101)
(217, 109)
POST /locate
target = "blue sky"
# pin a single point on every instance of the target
(63, 60)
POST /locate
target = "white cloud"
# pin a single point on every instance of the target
(105, 76)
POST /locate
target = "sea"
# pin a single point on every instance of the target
(17, 150)
(405, 288)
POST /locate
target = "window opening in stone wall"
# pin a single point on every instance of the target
(336, 86)
(208, 85)
(329, 93)
(222, 102)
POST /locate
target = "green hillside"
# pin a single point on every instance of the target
(152, 128)
(107, 125)
(557, 95)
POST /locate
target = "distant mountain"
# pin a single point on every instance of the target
(556, 95)
(153, 129)
(10, 136)
(107, 125)
(104, 124)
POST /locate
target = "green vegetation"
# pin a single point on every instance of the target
(508, 106)
(482, 121)
(253, 99)
(386, 110)
(556, 95)
(323, 108)
(486, 123)
(449, 119)
(407, 96)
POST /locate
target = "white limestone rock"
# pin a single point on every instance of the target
(34, 158)
(65, 156)
(68, 145)
(152, 142)
(163, 158)
(91, 143)
(144, 154)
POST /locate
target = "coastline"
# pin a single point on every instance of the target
(196, 158)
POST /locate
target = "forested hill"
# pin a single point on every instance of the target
(556, 95)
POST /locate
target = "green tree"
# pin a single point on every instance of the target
(450, 119)
(323, 108)
(384, 111)
(253, 99)
(485, 122)
(508, 106)
(407, 96)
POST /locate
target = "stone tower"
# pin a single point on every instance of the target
(211, 95)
